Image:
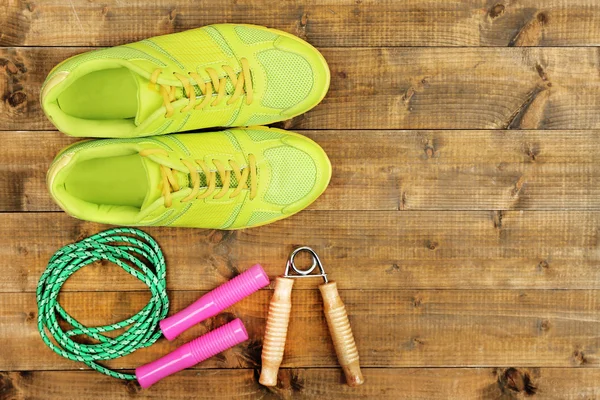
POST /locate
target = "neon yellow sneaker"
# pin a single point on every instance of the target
(218, 75)
(232, 179)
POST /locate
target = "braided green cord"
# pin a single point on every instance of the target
(124, 247)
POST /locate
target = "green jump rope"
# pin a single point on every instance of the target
(139, 255)
(132, 250)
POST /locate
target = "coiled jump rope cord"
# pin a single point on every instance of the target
(139, 255)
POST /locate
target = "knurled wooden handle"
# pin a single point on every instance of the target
(341, 333)
(276, 331)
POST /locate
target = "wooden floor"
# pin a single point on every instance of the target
(462, 221)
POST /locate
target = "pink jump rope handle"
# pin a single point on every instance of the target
(192, 353)
(215, 301)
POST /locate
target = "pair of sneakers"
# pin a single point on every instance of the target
(216, 76)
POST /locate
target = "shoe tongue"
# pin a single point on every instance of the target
(155, 184)
(149, 99)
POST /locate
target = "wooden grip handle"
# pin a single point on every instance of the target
(276, 331)
(341, 333)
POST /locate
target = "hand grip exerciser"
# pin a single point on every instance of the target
(215, 301)
(192, 353)
(279, 316)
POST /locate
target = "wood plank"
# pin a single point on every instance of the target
(324, 23)
(426, 170)
(360, 250)
(301, 383)
(24, 167)
(399, 328)
(394, 88)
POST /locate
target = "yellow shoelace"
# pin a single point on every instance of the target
(169, 181)
(242, 82)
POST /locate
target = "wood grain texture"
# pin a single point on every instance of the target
(300, 383)
(343, 23)
(276, 329)
(461, 223)
(341, 334)
(413, 170)
(360, 250)
(393, 88)
(396, 328)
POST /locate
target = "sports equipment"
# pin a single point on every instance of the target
(215, 301)
(192, 353)
(138, 254)
(218, 75)
(279, 317)
(232, 179)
